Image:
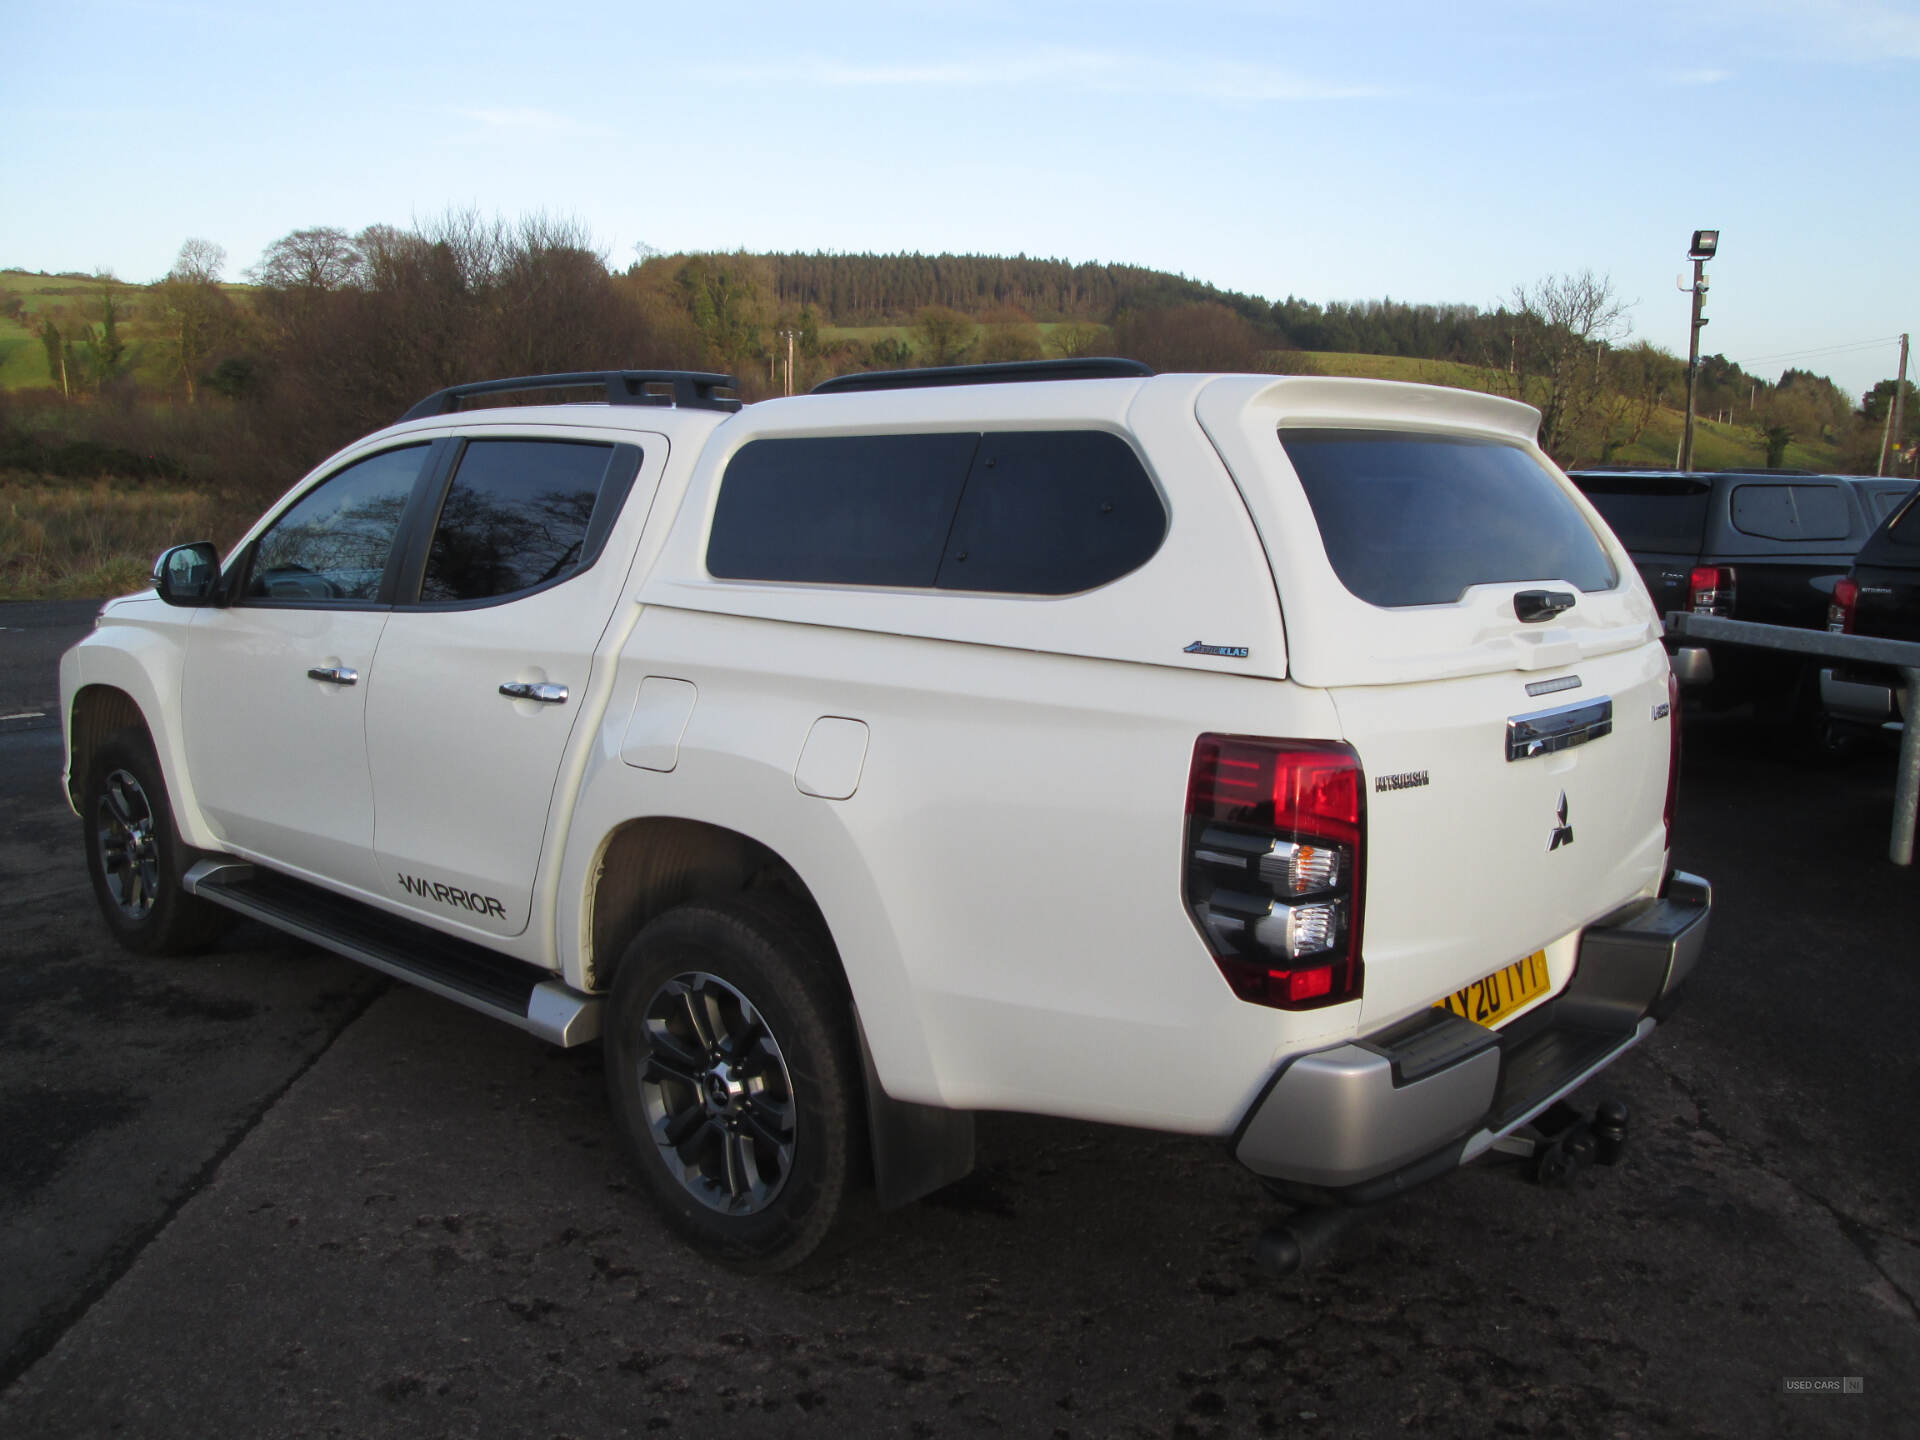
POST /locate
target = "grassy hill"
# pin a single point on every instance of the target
(73, 300)
(1716, 446)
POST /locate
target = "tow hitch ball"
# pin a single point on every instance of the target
(1561, 1142)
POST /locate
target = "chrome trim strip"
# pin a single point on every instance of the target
(527, 690)
(1546, 731)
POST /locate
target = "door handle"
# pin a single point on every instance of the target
(335, 674)
(526, 690)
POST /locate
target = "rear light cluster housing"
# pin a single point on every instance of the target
(1275, 866)
(1840, 611)
(1710, 590)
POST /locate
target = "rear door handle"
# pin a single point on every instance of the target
(526, 690)
(335, 674)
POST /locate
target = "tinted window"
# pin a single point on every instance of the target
(1791, 512)
(334, 542)
(1651, 514)
(1885, 502)
(849, 510)
(1051, 513)
(515, 517)
(1418, 519)
(1904, 528)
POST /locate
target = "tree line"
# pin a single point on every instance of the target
(342, 332)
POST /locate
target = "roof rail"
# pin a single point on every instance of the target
(1102, 367)
(688, 389)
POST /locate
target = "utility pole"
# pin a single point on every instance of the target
(787, 335)
(1893, 411)
(1705, 243)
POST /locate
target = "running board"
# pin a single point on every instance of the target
(455, 970)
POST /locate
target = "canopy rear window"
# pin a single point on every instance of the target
(1651, 513)
(1418, 519)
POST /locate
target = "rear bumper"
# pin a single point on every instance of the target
(1692, 664)
(1370, 1118)
(1858, 696)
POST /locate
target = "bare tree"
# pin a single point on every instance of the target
(320, 258)
(1010, 334)
(1558, 332)
(1202, 337)
(199, 315)
(1076, 338)
(942, 336)
(200, 261)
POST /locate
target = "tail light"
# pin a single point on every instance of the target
(1846, 595)
(1275, 866)
(1673, 754)
(1711, 591)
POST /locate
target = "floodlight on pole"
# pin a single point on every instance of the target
(1706, 243)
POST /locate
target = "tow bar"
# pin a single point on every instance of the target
(1556, 1145)
(1560, 1142)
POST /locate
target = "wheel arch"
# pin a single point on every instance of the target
(646, 866)
(124, 674)
(97, 712)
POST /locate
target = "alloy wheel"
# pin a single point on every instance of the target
(717, 1095)
(129, 851)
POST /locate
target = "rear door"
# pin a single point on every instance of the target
(1516, 768)
(485, 664)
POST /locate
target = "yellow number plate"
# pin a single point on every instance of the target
(1486, 1001)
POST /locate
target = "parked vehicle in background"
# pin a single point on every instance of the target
(1880, 597)
(1759, 546)
(1881, 494)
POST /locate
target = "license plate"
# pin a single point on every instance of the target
(1486, 1001)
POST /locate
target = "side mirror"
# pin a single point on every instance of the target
(186, 574)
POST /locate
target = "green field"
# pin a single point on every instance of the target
(72, 302)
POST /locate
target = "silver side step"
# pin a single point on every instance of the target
(453, 969)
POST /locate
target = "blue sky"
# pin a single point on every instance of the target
(1331, 151)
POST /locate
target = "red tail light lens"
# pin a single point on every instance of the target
(1274, 866)
(1846, 595)
(1673, 754)
(1711, 590)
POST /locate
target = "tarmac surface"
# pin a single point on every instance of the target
(262, 1192)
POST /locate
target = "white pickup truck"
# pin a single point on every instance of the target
(1285, 760)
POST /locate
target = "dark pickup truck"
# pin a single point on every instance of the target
(1879, 596)
(1759, 546)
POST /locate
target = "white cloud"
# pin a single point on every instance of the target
(1087, 71)
(1862, 32)
(1695, 77)
(527, 123)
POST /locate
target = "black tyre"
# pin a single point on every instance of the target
(134, 853)
(731, 1066)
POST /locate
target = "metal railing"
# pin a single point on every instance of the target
(1900, 655)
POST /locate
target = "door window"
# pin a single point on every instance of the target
(331, 546)
(519, 515)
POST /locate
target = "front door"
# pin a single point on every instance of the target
(276, 683)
